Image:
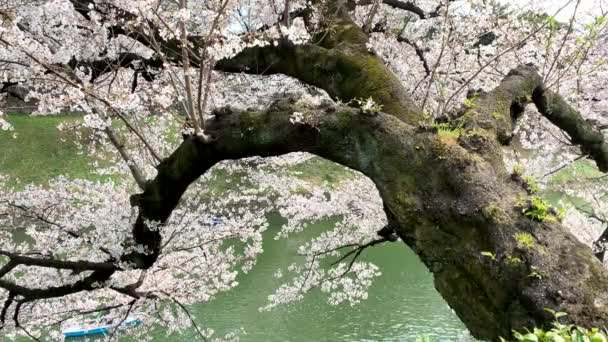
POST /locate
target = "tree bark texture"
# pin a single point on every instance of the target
(448, 198)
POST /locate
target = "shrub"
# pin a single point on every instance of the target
(561, 333)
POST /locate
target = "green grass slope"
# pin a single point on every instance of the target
(41, 151)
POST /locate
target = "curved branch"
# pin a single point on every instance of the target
(402, 5)
(560, 113)
(30, 294)
(345, 74)
(7, 303)
(76, 266)
(446, 199)
(499, 109)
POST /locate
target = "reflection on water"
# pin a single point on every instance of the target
(402, 302)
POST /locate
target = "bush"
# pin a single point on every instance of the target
(561, 333)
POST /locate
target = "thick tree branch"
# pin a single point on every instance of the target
(345, 74)
(402, 5)
(101, 271)
(449, 199)
(409, 6)
(76, 266)
(30, 294)
(499, 109)
(560, 113)
(13, 89)
(9, 266)
(147, 67)
(7, 303)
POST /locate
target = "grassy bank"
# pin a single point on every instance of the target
(40, 151)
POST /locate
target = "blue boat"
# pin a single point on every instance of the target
(104, 325)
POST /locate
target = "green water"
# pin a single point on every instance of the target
(402, 302)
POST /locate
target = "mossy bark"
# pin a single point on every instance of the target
(344, 74)
(339, 63)
(448, 197)
(448, 201)
(582, 133)
(497, 111)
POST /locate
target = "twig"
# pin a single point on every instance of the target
(466, 83)
(563, 166)
(419, 53)
(444, 43)
(188, 314)
(186, 71)
(559, 51)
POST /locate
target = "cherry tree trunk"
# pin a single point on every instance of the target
(448, 198)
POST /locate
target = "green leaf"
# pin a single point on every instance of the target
(489, 255)
(530, 338)
(598, 337)
(557, 338)
(552, 23)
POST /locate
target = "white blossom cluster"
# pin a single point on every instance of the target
(216, 231)
(452, 44)
(5, 125)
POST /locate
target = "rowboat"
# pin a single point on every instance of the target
(104, 325)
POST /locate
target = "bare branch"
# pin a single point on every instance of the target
(561, 47)
(202, 103)
(77, 266)
(357, 251)
(444, 43)
(198, 330)
(120, 147)
(186, 71)
(131, 304)
(419, 53)
(554, 171)
(497, 57)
